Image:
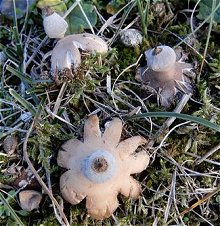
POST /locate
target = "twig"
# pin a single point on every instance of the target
(169, 121)
(170, 131)
(10, 130)
(59, 98)
(111, 19)
(124, 16)
(77, 2)
(70, 9)
(199, 202)
(41, 182)
(192, 16)
(213, 150)
(206, 160)
(58, 117)
(85, 16)
(36, 50)
(171, 196)
(114, 84)
(50, 188)
(200, 25)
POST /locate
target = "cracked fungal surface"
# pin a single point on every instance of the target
(165, 75)
(100, 167)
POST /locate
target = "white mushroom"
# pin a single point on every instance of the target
(55, 26)
(66, 55)
(161, 58)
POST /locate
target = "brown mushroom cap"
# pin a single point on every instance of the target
(100, 167)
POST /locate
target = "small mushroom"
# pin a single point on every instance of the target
(99, 167)
(10, 144)
(66, 55)
(30, 199)
(54, 25)
(131, 37)
(165, 74)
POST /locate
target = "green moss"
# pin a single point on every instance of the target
(47, 221)
(44, 144)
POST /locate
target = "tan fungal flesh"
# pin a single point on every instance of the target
(66, 54)
(101, 206)
(91, 128)
(131, 188)
(112, 132)
(89, 42)
(137, 162)
(101, 196)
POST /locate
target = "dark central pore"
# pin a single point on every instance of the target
(157, 50)
(99, 165)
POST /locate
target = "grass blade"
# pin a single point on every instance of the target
(13, 213)
(19, 74)
(143, 15)
(186, 117)
(40, 108)
(23, 102)
(26, 80)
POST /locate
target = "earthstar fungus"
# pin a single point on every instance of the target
(66, 54)
(165, 74)
(99, 167)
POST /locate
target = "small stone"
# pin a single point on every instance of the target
(30, 199)
(131, 37)
(10, 144)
